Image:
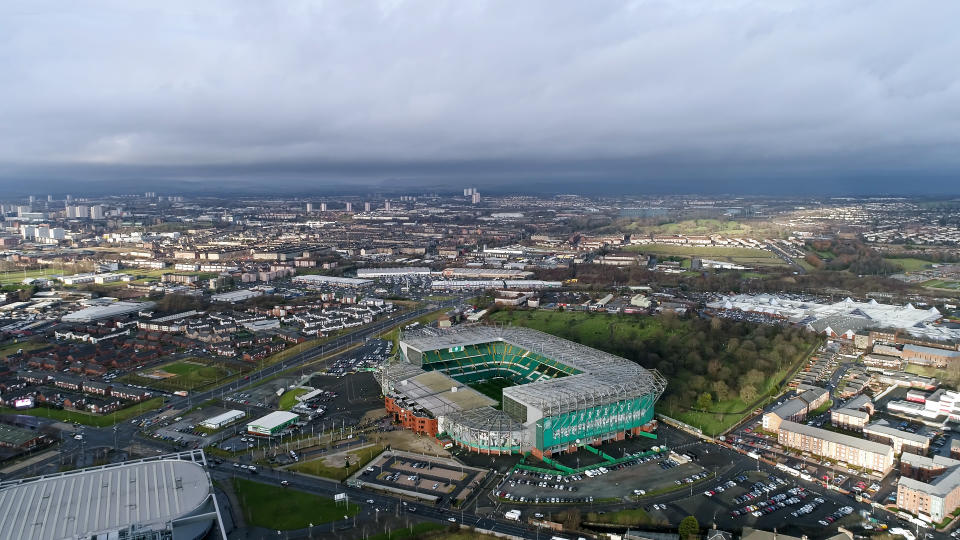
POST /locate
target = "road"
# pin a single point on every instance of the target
(123, 434)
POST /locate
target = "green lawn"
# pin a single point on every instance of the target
(417, 531)
(191, 374)
(909, 264)
(282, 509)
(88, 419)
(493, 388)
(289, 398)
(358, 458)
(11, 348)
(821, 409)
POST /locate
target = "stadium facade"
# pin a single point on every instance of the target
(561, 394)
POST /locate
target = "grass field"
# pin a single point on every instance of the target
(323, 467)
(289, 398)
(737, 255)
(909, 264)
(492, 388)
(88, 419)
(189, 374)
(283, 509)
(942, 284)
(12, 348)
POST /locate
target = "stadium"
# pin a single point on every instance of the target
(556, 394)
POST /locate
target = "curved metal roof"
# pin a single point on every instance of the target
(101, 500)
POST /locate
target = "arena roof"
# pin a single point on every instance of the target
(841, 316)
(604, 378)
(89, 501)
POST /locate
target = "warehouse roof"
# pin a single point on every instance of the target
(82, 503)
(15, 436)
(274, 419)
(228, 416)
(114, 309)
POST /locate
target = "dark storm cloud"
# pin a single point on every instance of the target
(363, 91)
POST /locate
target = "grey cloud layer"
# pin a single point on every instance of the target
(206, 83)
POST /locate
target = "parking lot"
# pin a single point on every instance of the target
(763, 500)
(416, 474)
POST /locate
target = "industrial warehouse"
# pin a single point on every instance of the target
(557, 395)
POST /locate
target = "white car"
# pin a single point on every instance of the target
(452, 519)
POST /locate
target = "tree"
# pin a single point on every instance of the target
(572, 520)
(704, 401)
(689, 528)
(748, 393)
(722, 390)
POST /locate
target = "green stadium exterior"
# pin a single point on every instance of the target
(563, 395)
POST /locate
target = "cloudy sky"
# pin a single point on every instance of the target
(685, 93)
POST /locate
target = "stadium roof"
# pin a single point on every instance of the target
(604, 378)
(434, 392)
(89, 501)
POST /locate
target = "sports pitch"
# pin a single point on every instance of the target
(181, 375)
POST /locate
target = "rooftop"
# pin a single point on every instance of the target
(15, 436)
(603, 377)
(838, 438)
(89, 501)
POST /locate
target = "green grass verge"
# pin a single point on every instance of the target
(283, 509)
(629, 517)
(357, 458)
(289, 398)
(89, 419)
(415, 532)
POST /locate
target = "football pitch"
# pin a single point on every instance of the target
(493, 388)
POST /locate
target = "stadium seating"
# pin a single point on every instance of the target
(474, 363)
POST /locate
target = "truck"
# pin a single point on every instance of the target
(181, 393)
(513, 515)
